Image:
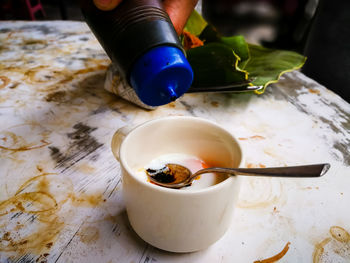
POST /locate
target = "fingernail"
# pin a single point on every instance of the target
(104, 2)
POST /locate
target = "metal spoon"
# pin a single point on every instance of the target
(178, 176)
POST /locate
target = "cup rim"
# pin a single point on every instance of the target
(170, 190)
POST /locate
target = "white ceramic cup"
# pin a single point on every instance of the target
(171, 219)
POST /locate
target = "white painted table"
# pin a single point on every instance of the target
(60, 190)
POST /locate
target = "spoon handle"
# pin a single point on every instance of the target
(313, 170)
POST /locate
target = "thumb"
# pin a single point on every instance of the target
(179, 11)
(106, 5)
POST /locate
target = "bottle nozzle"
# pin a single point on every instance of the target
(161, 75)
(171, 93)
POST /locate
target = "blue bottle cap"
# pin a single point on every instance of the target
(161, 75)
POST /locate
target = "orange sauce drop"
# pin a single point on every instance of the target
(275, 257)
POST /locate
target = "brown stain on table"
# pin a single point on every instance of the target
(38, 207)
(26, 147)
(58, 96)
(29, 42)
(171, 105)
(56, 76)
(47, 78)
(339, 236)
(88, 234)
(10, 140)
(314, 91)
(87, 200)
(310, 188)
(214, 104)
(42, 258)
(5, 81)
(34, 211)
(271, 194)
(252, 165)
(43, 183)
(86, 168)
(254, 137)
(88, 89)
(276, 257)
(319, 250)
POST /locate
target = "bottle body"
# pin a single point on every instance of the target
(130, 34)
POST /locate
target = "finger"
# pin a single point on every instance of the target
(106, 5)
(179, 11)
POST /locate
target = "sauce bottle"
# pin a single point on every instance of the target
(142, 43)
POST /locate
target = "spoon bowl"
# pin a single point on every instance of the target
(177, 176)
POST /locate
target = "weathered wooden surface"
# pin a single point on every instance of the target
(60, 188)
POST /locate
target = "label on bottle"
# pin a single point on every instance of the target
(116, 84)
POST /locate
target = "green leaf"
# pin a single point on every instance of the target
(209, 34)
(237, 43)
(195, 24)
(224, 61)
(239, 46)
(215, 64)
(267, 65)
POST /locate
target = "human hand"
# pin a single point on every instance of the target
(178, 10)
